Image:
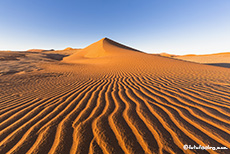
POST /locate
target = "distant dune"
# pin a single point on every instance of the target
(68, 48)
(218, 59)
(166, 55)
(110, 98)
(35, 50)
(187, 55)
(39, 50)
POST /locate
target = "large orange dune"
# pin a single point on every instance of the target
(110, 98)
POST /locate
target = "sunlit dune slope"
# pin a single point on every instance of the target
(109, 98)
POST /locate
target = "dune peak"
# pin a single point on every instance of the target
(102, 48)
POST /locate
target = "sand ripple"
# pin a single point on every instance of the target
(135, 103)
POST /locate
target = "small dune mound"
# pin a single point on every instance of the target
(166, 55)
(69, 48)
(35, 50)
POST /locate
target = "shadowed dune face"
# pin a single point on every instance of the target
(116, 44)
(226, 65)
(107, 98)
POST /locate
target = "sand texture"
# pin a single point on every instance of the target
(109, 98)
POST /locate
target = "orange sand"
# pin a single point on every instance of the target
(35, 50)
(109, 98)
(209, 58)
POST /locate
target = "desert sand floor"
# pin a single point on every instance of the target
(109, 98)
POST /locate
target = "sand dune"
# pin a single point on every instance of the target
(109, 98)
(39, 50)
(218, 59)
(69, 48)
(35, 50)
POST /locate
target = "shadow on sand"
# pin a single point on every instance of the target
(55, 56)
(226, 65)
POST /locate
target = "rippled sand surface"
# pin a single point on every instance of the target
(109, 98)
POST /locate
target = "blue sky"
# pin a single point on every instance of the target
(153, 26)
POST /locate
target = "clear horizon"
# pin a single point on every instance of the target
(175, 27)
